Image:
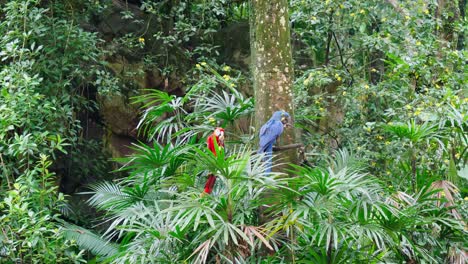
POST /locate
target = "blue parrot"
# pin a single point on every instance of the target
(269, 132)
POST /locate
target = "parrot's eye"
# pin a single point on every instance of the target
(219, 132)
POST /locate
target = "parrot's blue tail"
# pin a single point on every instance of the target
(268, 159)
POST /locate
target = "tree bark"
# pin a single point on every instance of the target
(271, 66)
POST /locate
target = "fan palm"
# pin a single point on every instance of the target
(153, 225)
(157, 104)
(336, 209)
(166, 117)
(422, 224)
(323, 215)
(227, 107)
(415, 134)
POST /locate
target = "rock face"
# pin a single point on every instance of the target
(119, 116)
(139, 61)
(234, 43)
(111, 23)
(117, 111)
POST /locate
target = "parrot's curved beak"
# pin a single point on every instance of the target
(287, 122)
(221, 137)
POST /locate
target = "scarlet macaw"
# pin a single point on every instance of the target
(217, 135)
(269, 132)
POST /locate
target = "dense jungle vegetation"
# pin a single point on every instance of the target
(106, 106)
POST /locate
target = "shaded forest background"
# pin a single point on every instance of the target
(105, 107)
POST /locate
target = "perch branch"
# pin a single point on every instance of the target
(286, 147)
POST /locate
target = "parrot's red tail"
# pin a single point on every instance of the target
(210, 183)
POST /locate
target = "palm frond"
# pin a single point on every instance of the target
(224, 106)
(412, 131)
(157, 161)
(449, 193)
(343, 158)
(158, 104)
(187, 133)
(454, 118)
(202, 251)
(108, 196)
(165, 129)
(90, 241)
(251, 231)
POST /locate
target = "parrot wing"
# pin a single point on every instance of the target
(210, 144)
(264, 127)
(268, 134)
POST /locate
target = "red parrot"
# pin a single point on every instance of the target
(217, 135)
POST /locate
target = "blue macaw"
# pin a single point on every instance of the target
(269, 132)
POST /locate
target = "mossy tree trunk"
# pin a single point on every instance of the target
(272, 68)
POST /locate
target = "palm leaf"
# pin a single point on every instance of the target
(109, 196)
(412, 131)
(224, 106)
(90, 241)
(158, 161)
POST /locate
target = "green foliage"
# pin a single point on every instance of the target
(174, 34)
(340, 210)
(29, 221)
(171, 215)
(90, 241)
(411, 131)
(388, 82)
(374, 64)
(42, 60)
(44, 56)
(167, 117)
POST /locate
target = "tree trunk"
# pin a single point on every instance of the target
(272, 68)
